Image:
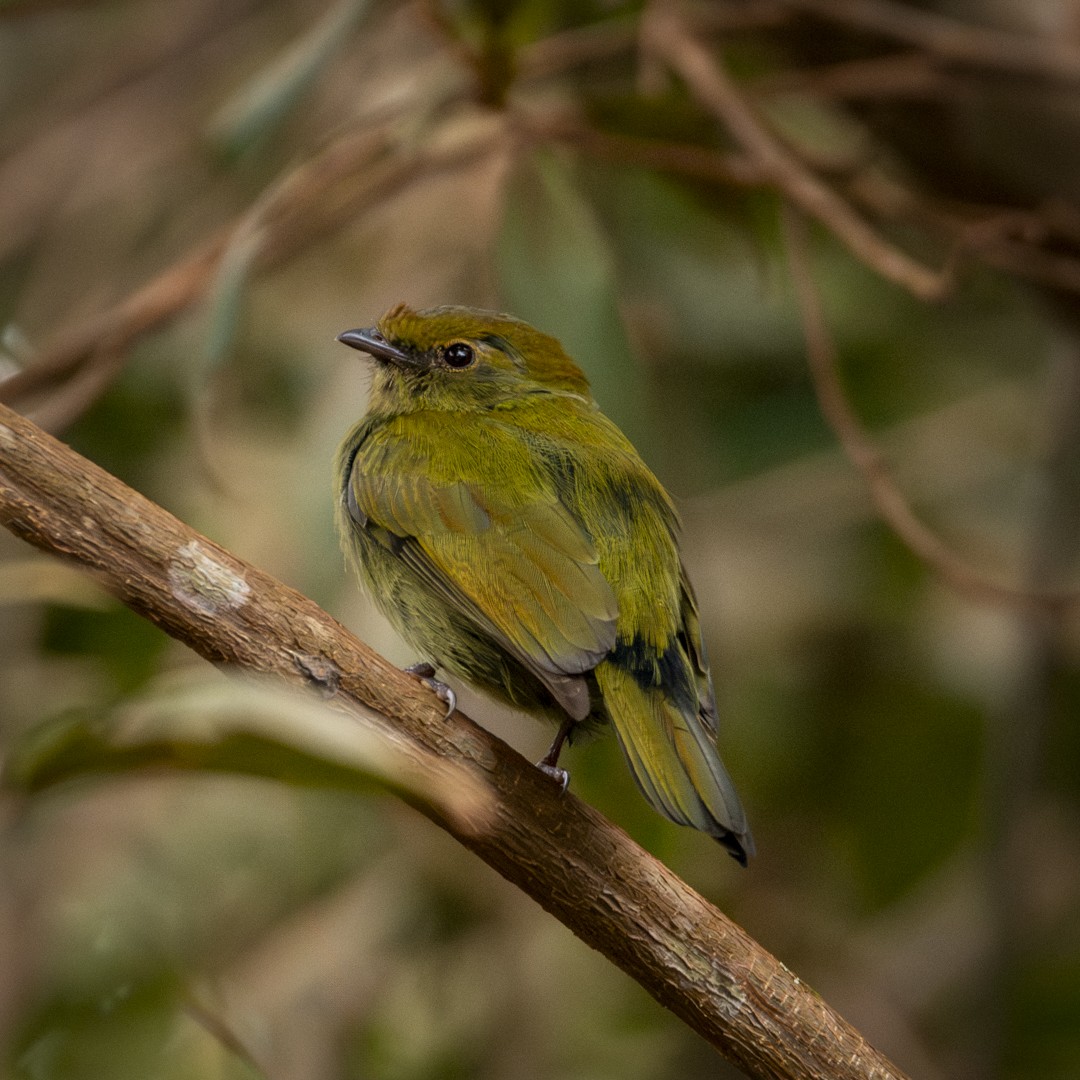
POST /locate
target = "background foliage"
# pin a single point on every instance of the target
(285, 169)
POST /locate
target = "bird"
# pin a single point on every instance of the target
(515, 538)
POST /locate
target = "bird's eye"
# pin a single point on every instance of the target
(458, 355)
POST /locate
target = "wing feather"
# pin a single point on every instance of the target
(510, 557)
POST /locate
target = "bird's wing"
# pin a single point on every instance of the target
(494, 541)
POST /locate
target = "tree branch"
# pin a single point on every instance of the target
(954, 40)
(564, 854)
(891, 504)
(716, 92)
(310, 202)
(662, 155)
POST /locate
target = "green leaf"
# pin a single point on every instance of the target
(255, 728)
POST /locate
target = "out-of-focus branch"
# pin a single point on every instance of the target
(311, 202)
(1004, 238)
(1024, 243)
(685, 159)
(564, 854)
(101, 339)
(611, 38)
(954, 40)
(45, 159)
(366, 166)
(1032, 262)
(911, 75)
(717, 93)
(864, 455)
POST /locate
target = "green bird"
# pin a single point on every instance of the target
(512, 534)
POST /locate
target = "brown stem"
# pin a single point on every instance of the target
(686, 159)
(715, 91)
(954, 40)
(891, 504)
(311, 202)
(571, 860)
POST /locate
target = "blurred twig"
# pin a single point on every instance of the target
(864, 455)
(1014, 241)
(716, 92)
(954, 40)
(896, 75)
(46, 159)
(611, 38)
(686, 159)
(220, 1030)
(1030, 244)
(1005, 238)
(369, 165)
(564, 854)
(94, 350)
(1026, 260)
(312, 201)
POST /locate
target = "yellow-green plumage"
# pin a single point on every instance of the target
(515, 538)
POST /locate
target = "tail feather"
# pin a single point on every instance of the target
(673, 758)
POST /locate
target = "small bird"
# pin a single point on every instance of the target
(512, 534)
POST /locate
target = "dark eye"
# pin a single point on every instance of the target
(458, 355)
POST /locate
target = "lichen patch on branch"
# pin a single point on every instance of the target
(202, 583)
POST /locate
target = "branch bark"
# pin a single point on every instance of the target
(572, 861)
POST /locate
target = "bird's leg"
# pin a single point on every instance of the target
(426, 674)
(549, 763)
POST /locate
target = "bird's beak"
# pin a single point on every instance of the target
(372, 342)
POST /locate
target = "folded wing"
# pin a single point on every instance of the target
(510, 557)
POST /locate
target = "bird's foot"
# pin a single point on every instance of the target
(549, 763)
(426, 674)
(560, 776)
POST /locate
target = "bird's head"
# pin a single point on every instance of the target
(459, 357)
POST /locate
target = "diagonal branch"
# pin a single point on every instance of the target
(954, 40)
(310, 203)
(864, 455)
(716, 92)
(564, 854)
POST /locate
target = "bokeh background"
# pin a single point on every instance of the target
(197, 196)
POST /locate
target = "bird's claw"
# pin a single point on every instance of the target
(560, 776)
(426, 674)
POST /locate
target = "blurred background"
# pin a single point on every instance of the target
(196, 197)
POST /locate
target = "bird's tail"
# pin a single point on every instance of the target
(671, 749)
